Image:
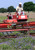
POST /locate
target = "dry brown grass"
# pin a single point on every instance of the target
(31, 14)
(4, 14)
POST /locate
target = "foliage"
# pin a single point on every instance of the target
(32, 31)
(3, 10)
(3, 40)
(5, 46)
(2, 18)
(16, 33)
(18, 44)
(33, 41)
(11, 9)
(28, 6)
(1, 34)
(34, 8)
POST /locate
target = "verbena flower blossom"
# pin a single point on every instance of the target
(19, 42)
(20, 47)
(26, 45)
(23, 41)
(16, 46)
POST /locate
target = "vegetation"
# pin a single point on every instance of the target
(4, 17)
(31, 19)
(16, 33)
(24, 43)
(11, 9)
(29, 6)
(13, 33)
(18, 44)
(2, 10)
(32, 31)
(4, 40)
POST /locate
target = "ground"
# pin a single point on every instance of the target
(31, 15)
(14, 42)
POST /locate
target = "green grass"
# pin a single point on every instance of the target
(13, 33)
(17, 33)
(4, 40)
(31, 19)
(4, 17)
(32, 31)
